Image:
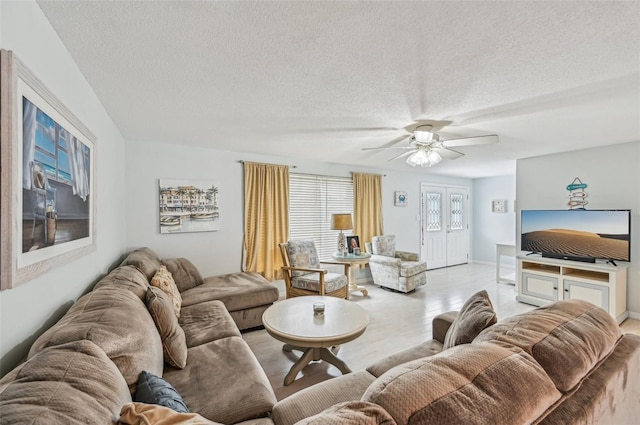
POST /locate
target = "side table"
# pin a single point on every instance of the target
(354, 259)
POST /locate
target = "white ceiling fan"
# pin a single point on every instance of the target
(427, 148)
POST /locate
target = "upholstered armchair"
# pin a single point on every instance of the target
(303, 275)
(399, 270)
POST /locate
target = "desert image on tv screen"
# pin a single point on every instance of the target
(598, 234)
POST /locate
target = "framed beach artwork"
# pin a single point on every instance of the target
(48, 177)
(188, 206)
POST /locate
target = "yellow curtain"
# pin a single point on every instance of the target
(367, 206)
(266, 217)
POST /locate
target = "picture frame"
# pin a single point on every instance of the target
(188, 206)
(48, 180)
(400, 199)
(499, 206)
(353, 242)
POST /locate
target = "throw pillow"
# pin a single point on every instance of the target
(154, 390)
(174, 342)
(475, 315)
(145, 414)
(184, 273)
(163, 280)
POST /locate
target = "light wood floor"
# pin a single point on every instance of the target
(398, 321)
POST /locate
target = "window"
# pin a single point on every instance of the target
(312, 200)
(51, 150)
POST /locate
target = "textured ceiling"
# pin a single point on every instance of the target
(299, 78)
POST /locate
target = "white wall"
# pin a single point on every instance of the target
(29, 309)
(490, 228)
(612, 175)
(221, 252)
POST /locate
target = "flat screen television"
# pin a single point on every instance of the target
(599, 234)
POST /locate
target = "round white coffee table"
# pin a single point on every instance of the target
(292, 321)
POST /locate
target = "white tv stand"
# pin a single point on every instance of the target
(541, 281)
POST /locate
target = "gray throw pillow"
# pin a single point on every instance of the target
(475, 315)
(154, 390)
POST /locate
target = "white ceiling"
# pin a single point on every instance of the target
(297, 78)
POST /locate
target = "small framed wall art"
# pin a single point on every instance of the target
(400, 199)
(499, 206)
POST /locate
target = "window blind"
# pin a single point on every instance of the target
(312, 200)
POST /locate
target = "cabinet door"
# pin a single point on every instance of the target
(595, 294)
(540, 286)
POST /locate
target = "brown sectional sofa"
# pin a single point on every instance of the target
(85, 368)
(565, 363)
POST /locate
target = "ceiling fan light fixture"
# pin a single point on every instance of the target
(424, 158)
(423, 136)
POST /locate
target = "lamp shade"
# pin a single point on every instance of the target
(341, 222)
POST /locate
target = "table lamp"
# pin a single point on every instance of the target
(341, 222)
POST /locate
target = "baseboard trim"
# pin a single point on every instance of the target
(634, 315)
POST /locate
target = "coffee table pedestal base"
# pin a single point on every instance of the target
(313, 354)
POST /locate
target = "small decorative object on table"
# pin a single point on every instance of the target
(318, 308)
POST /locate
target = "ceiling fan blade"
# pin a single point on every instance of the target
(394, 141)
(473, 140)
(392, 147)
(403, 154)
(448, 153)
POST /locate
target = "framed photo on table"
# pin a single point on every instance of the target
(353, 242)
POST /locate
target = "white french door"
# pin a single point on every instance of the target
(444, 225)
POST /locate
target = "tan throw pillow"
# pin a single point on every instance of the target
(174, 342)
(145, 414)
(184, 273)
(475, 315)
(163, 280)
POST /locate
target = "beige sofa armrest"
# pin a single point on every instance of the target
(441, 324)
(407, 256)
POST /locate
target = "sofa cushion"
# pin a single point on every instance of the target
(184, 273)
(470, 384)
(384, 245)
(571, 332)
(609, 395)
(152, 389)
(126, 277)
(119, 323)
(50, 386)
(163, 280)
(316, 398)
(147, 414)
(145, 260)
(174, 344)
(311, 282)
(302, 253)
(216, 374)
(351, 412)
(475, 315)
(425, 349)
(206, 322)
(238, 291)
